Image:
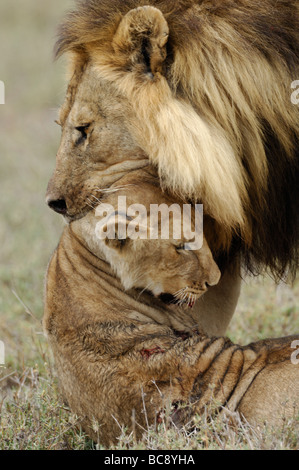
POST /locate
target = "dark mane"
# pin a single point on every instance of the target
(266, 31)
(273, 24)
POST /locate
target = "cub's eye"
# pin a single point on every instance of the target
(180, 247)
(183, 247)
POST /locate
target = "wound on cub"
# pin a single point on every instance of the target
(147, 353)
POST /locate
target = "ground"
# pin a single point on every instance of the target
(32, 415)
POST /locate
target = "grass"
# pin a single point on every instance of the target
(32, 415)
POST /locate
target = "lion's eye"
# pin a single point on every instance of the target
(83, 133)
(83, 130)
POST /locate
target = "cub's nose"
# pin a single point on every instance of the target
(58, 205)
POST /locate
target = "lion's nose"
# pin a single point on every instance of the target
(58, 205)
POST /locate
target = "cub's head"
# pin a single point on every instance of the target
(153, 243)
(166, 268)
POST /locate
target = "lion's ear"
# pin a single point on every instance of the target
(140, 40)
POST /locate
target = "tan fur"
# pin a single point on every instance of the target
(204, 93)
(165, 257)
(184, 160)
(123, 357)
(108, 151)
(215, 308)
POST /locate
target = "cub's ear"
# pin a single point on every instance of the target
(140, 40)
(117, 243)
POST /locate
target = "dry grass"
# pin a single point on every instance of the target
(32, 415)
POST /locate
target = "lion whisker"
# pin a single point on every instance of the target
(145, 288)
(97, 199)
(90, 203)
(180, 292)
(114, 189)
(181, 300)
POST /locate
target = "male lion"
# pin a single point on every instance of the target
(124, 356)
(200, 88)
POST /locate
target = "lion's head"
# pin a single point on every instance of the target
(202, 90)
(96, 147)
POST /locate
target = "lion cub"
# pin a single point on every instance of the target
(123, 355)
(176, 270)
(179, 276)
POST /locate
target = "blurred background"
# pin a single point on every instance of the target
(29, 231)
(29, 138)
